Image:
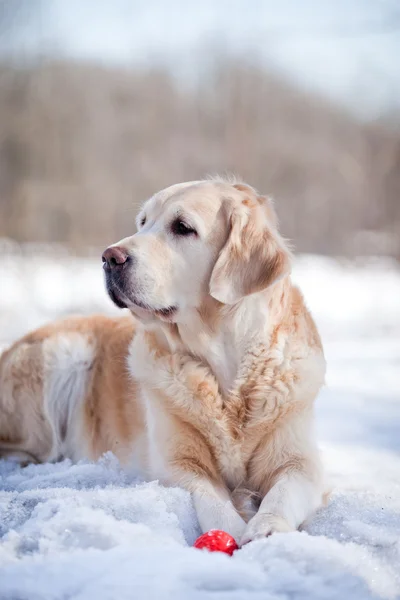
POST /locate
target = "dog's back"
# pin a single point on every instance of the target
(63, 391)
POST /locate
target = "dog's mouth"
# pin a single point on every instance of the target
(123, 301)
(166, 312)
(116, 297)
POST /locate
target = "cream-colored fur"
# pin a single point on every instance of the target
(211, 387)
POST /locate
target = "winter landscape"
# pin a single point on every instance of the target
(89, 531)
(104, 103)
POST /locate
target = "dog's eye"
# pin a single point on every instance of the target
(178, 227)
(142, 221)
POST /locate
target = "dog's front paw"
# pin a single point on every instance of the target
(263, 525)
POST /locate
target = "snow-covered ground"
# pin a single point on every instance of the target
(89, 531)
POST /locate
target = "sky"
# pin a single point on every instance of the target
(346, 49)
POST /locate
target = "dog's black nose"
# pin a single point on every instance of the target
(114, 257)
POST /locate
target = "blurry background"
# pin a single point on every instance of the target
(104, 102)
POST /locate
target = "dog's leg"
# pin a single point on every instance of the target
(213, 506)
(177, 387)
(288, 503)
(292, 486)
(179, 454)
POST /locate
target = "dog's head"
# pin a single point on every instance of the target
(195, 241)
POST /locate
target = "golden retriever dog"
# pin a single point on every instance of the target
(210, 385)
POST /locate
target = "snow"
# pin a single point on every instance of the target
(90, 531)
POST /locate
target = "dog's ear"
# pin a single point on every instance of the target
(254, 256)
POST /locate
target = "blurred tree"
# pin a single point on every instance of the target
(82, 146)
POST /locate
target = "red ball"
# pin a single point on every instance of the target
(216, 541)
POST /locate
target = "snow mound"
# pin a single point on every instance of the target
(90, 531)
